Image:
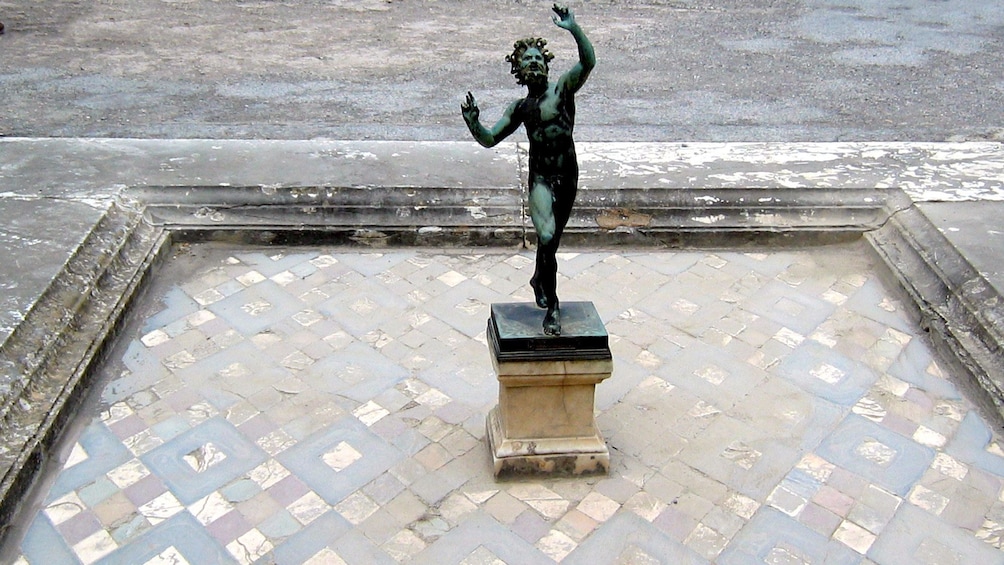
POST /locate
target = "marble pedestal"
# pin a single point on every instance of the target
(544, 420)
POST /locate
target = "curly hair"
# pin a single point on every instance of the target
(521, 47)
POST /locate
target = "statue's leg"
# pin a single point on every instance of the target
(548, 280)
(535, 284)
(542, 215)
(561, 211)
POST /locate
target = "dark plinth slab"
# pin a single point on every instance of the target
(515, 333)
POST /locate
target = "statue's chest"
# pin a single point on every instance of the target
(546, 108)
(549, 107)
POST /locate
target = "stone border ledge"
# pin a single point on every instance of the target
(961, 311)
(411, 214)
(54, 352)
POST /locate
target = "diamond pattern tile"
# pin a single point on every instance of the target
(203, 459)
(328, 406)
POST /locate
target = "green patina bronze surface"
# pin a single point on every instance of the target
(548, 114)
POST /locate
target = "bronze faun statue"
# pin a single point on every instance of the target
(548, 112)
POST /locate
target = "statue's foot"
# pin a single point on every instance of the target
(552, 322)
(538, 293)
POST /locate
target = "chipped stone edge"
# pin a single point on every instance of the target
(63, 338)
(956, 305)
(420, 216)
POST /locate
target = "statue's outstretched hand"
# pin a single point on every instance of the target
(470, 109)
(562, 16)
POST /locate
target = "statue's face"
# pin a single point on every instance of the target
(533, 65)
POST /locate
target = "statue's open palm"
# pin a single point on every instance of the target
(562, 16)
(470, 109)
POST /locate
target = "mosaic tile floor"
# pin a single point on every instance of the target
(328, 406)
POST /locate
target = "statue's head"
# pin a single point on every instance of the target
(529, 60)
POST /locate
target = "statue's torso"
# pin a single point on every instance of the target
(549, 120)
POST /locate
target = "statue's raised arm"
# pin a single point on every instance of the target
(577, 75)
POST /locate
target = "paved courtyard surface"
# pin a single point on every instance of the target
(328, 405)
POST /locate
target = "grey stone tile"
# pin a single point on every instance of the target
(914, 536)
